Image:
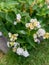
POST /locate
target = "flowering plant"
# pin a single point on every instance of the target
(24, 23)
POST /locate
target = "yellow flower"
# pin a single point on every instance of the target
(11, 43)
(13, 37)
(35, 23)
(46, 36)
(31, 26)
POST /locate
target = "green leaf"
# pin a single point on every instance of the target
(2, 15)
(21, 41)
(3, 29)
(10, 16)
(30, 41)
(30, 1)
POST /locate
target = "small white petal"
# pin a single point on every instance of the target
(19, 51)
(15, 22)
(44, 37)
(9, 34)
(25, 53)
(11, 39)
(33, 20)
(18, 16)
(36, 40)
(27, 25)
(8, 44)
(35, 36)
(16, 44)
(39, 26)
(16, 35)
(41, 32)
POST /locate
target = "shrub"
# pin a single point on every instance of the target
(24, 23)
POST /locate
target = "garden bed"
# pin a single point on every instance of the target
(24, 32)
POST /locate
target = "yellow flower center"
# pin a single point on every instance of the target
(31, 26)
(35, 23)
(46, 35)
(12, 43)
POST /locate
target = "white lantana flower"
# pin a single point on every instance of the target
(19, 51)
(8, 44)
(9, 34)
(15, 23)
(27, 25)
(35, 40)
(16, 44)
(38, 41)
(18, 17)
(16, 34)
(33, 20)
(38, 25)
(13, 37)
(25, 53)
(35, 36)
(41, 32)
(33, 24)
(1, 34)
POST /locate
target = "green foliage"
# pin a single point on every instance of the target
(28, 9)
(40, 56)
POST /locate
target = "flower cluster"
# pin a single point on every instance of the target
(26, 21)
(16, 46)
(13, 37)
(18, 19)
(33, 24)
(40, 35)
(21, 51)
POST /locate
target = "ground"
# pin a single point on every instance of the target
(39, 56)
